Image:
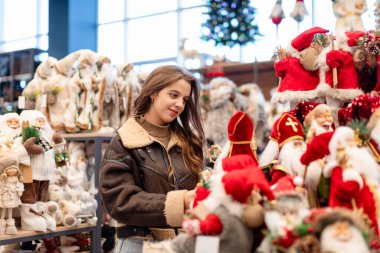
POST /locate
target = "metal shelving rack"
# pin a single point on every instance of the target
(24, 236)
(98, 138)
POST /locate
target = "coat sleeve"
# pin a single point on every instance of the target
(126, 201)
(281, 67)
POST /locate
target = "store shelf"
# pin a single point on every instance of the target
(98, 138)
(25, 236)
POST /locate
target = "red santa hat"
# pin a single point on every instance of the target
(364, 106)
(288, 128)
(318, 148)
(344, 115)
(347, 40)
(284, 185)
(304, 39)
(240, 183)
(233, 188)
(241, 135)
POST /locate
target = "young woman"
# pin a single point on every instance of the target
(151, 166)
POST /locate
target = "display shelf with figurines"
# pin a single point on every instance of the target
(98, 139)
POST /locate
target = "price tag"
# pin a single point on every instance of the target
(207, 244)
(43, 100)
(21, 102)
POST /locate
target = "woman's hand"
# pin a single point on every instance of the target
(189, 196)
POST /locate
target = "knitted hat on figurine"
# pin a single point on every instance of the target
(364, 106)
(241, 135)
(304, 39)
(8, 161)
(318, 148)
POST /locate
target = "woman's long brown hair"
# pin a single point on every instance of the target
(189, 119)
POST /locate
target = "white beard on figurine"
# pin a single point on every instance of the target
(290, 155)
(10, 125)
(343, 238)
(327, 127)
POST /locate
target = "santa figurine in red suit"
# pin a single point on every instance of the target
(316, 118)
(241, 138)
(354, 176)
(339, 59)
(298, 73)
(291, 147)
(287, 145)
(224, 207)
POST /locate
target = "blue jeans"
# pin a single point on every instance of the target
(129, 245)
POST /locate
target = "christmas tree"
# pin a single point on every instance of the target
(230, 22)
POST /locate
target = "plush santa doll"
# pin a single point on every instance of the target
(241, 138)
(10, 127)
(299, 76)
(37, 161)
(354, 174)
(223, 209)
(340, 59)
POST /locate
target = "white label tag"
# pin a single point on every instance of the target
(21, 102)
(207, 244)
(43, 100)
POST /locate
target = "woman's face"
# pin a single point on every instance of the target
(169, 103)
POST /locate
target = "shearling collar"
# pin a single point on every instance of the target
(133, 135)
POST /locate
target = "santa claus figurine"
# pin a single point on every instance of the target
(10, 127)
(287, 145)
(37, 162)
(343, 86)
(342, 231)
(298, 73)
(316, 118)
(354, 176)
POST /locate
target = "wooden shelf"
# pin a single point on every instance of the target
(87, 136)
(25, 236)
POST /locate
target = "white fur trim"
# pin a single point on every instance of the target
(293, 52)
(344, 94)
(323, 89)
(269, 154)
(298, 181)
(352, 175)
(342, 42)
(294, 96)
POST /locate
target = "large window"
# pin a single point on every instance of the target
(149, 32)
(23, 24)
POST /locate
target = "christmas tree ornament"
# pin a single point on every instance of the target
(277, 15)
(230, 23)
(299, 12)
